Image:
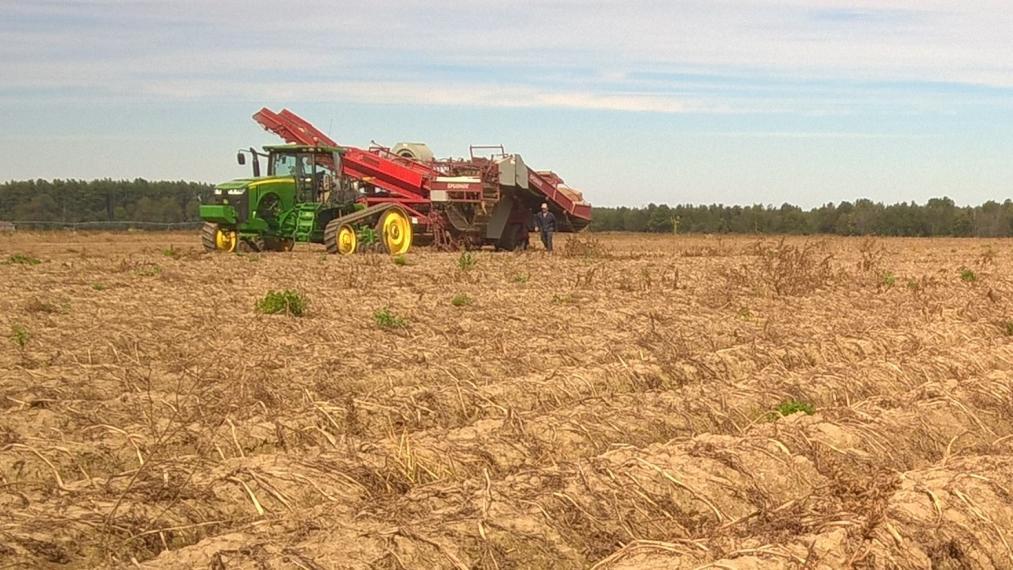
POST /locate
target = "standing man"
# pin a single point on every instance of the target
(546, 223)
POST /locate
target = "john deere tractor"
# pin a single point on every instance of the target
(303, 198)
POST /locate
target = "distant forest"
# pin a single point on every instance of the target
(172, 202)
(937, 217)
(77, 201)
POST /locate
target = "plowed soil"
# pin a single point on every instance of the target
(629, 402)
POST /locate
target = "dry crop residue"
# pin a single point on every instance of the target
(624, 404)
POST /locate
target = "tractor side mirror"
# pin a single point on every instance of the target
(241, 158)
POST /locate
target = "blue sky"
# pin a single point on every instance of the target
(635, 101)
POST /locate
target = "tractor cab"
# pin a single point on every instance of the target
(315, 169)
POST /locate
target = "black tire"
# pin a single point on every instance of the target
(207, 236)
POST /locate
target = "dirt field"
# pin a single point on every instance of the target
(624, 404)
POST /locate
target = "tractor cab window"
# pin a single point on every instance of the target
(284, 164)
(314, 173)
(318, 177)
(306, 165)
(326, 181)
(325, 164)
(308, 177)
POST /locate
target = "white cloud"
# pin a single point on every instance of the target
(814, 135)
(420, 93)
(556, 54)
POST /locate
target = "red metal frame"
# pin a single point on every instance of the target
(576, 209)
(410, 181)
(410, 206)
(292, 127)
(395, 174)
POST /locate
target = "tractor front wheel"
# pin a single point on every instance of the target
(214, 238)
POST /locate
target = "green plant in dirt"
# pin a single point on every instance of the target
(367, 237)
(793, 407)
(99, 286)
(887, 279)
(461, 300)
(22, 259)
(171, 252)
(520, 277)
(745, 314)
(20, 336)
(400, 260)
(968, 276)
(466, 261)
(1007, 327)
(385, 319)
(289, 302)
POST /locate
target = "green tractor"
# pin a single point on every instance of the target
(303, 198)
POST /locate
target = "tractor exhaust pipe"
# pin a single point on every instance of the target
(256, 163)
(241, 159)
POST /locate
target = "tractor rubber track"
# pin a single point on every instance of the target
(331, 230)
(331, 236)
(363, 214)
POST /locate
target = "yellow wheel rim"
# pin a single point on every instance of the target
(348, 242)
(397, 231)
(226, 241)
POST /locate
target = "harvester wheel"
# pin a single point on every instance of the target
(215, 238)
(395, 231)
(348, 240)
(340, 238)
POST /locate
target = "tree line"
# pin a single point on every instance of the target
(937, 217)
(139, 200)
(106, 200)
